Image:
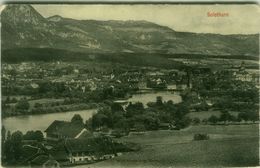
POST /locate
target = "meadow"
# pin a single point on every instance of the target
(228, 146)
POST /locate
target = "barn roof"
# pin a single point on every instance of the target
(65, 128)
(80, 145)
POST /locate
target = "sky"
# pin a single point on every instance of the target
(241, 19)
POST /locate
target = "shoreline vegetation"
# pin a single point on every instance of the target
(64, 109)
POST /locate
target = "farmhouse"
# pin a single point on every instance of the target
(84, 150)
(79, 151)
(59, 130)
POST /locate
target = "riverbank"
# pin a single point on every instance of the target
(56, 109)
(49, 106)
(30, 121)
(42, 121)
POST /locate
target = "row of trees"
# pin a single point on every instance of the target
(12, 144)
(136, 116)
(106, 92)
(227, 117)
(23, 107)
(227, 102)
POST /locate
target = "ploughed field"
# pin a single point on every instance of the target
(232, 145)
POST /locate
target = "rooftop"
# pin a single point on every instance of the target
(79, 145)
(65, 128)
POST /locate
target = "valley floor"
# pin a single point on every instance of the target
(229, 146)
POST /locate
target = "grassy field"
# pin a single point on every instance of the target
(234, 145)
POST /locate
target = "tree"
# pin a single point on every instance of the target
(225, 116)
(29, 135)
(14, 100)
(224, 102)
(45, 87)
(38, 105)
(134, 109)
(196, 121)
(108, 92)
(77, 119)
(108, 120)
(183, 122)
(159, 100)
(3, 142)
(16, 143)
(122, 124)
(253, 116)
(169, 103)
(151, 121)
(22, 104)
(7, 152)
(202, 106)
(242, 116)
(99, 120)
(34, 135)
(181, 110)
(8, 137)
(38, 135)
(204, 121)
(115, 107)
(7, 99)
(198, 137)
(213, 119)
(3, 133)
(139, 127)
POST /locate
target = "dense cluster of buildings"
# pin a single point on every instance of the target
(29, 75)
(69, 143)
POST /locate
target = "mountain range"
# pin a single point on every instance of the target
(24, 27)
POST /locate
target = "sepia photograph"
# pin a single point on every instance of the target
(129, 85)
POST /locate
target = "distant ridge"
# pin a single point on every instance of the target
(24, 27)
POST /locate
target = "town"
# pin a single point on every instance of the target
(224, 96)
(124, 85)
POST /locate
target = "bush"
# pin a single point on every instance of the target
(34, 135)
(196, 121)
(38, 105)
(213, 119)
(204, 121)
(182, 123)
(22, 105)
(139, 127)
(118, 133)
(198, 137)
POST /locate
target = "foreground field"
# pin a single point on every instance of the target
(228, 146)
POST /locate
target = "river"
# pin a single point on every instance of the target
(151, 97)
(42, 121)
